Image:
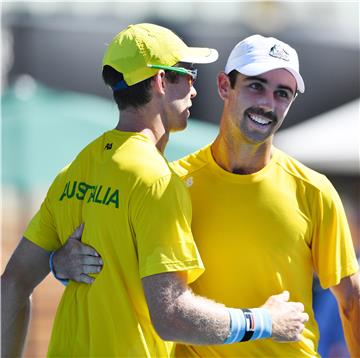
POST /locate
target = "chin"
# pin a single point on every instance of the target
(179, 126)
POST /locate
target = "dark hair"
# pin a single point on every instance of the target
(133, 96)
(232, 77)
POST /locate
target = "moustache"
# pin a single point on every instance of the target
(255, 110)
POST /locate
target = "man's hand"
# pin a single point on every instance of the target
(76, 260)
(288, 318)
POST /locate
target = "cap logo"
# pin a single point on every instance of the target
(278, 52)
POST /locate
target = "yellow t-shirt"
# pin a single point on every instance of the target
(263, 233)
(137, 214)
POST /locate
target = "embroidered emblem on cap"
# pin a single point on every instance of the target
(278, 52)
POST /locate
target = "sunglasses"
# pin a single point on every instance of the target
(192, 74)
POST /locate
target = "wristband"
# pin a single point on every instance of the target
(237, 326)
(263, 323)
(248, 324)
(51, 264)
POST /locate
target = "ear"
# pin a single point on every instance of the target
(223, 84)
(158, 82)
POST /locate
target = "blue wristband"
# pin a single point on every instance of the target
(249, 324)
(51, 264)
(237, 326)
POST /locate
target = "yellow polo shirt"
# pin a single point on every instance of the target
(137, 215)
(263, 233)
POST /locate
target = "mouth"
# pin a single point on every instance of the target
(261, 120)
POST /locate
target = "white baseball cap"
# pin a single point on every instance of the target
(258, 54)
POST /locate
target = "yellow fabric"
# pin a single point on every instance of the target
(263, 233)
(137, 215)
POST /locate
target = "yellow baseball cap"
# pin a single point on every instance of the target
(132, 51)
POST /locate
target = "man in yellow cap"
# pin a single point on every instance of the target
(137, 214)
(262, 221)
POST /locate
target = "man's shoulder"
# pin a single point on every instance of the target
(191, 163)
(117, 154)
(300, 172)
(144, 163)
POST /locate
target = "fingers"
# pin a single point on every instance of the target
(83, 278)
(90, 260)
(75, 247)
(87, 250)
(86, 279)
(294, 338)
(78, 232)
(288, 317)
(283, 296)
(292, 333)
(82, 272)
(305, 317)
(86, 269)
(79, 246)
(299, 306)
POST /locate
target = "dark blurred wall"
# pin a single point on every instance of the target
(66, 54)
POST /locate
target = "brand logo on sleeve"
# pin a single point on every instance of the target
(189, 182)
(97, 194)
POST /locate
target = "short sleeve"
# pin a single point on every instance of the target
(332, 247)
(41, 229)
(162, 225)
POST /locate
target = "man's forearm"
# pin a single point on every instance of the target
(179, 315)
(14, 336)
(194, 319)
(347, 294)
(199, 321)
(351, 325)
(15, 315)
(27, 267)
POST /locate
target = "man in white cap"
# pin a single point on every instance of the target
(262, 221)
(137, 215)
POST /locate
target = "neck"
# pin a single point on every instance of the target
(236, 155)
(147, 122)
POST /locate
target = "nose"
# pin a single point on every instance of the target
(193, 92)
(267, 102)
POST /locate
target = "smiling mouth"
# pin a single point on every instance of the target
(259, 119)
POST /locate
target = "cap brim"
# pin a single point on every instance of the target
(254, 69)
(200, 55)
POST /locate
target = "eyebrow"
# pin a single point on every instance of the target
(263, 80)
